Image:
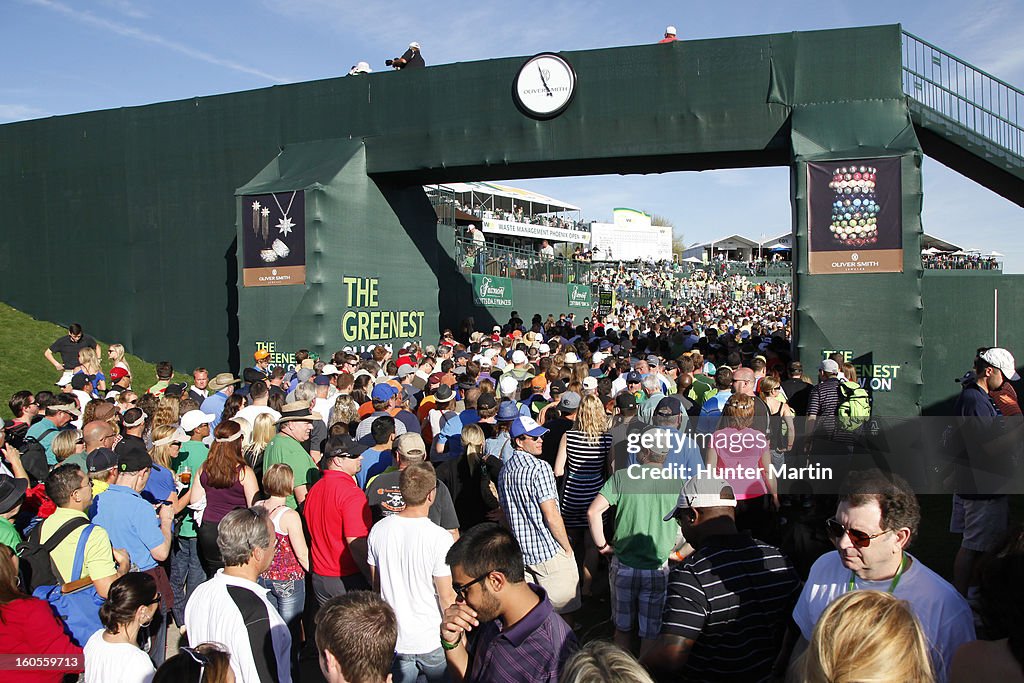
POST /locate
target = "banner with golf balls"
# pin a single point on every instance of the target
(854, 217)
(274, 239)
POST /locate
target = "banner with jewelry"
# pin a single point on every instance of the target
(274, 239)
(854, 216)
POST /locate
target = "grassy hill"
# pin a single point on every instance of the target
(22, 366)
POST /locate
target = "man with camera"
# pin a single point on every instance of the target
(412, 59)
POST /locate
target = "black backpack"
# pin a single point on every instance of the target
(36, 566)
(33, 457)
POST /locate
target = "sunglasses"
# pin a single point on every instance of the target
(460, 589)
(199, 658)
(859, 539)
(156, 599)
(346, 455)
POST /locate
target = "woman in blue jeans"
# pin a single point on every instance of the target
(286, 577)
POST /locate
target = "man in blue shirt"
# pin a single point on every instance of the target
(132, 524)
(58, 416)
(222, 386)
(983, 462)
(377, 459)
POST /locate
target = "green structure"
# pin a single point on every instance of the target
(155, 203)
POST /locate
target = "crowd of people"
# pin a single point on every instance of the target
(518, 215)
(959, 261)
(472, 510)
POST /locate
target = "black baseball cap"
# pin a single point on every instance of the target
(100, 459)
(669, 406)
(625, 401)
(132, 458)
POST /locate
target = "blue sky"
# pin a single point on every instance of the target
(65, 56)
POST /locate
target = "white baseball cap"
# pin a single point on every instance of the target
(670, 30)
(414, 45)
(1003, 361)
(703, 492)
(193, 418)
(518, 357)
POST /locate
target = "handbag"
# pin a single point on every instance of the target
(78, 608)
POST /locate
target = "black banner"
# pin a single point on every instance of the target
(274, 239)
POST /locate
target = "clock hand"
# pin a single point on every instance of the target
(544, 81)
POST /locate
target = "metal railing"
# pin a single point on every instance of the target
(524, 264)
(981, 103)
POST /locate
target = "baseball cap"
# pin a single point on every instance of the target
(99, 460)
(507, 411)
(829, 366)
(1003, 360)
(261, 354)
(625, 401)
(406, 370)
(175, 389)
(133, 458)
(118, 373)
(81, 380)
(526, 426)
(322, 380)
(383, 392)
(486, 401)
(571, 358)
(634, 377)
(703, 492)
(414, 45)
(653, 360)
(669, 406)
(330, 369)
(590, 383)
(191, 420)
(12, 490)
(519, 357)
(598, 357)
(410, 443)
(558, 387)
(670, 30)
(570, 401)
(435, 378)
(508, 385)
(341, 446)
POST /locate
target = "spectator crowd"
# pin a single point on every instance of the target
(472, 510)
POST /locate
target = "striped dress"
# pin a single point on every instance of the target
(585, 468)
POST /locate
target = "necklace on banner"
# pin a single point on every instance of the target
(285, 225)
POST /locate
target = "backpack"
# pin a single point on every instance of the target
(33, 456)
(854, 407)
(36, 567)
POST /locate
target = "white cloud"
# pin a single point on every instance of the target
(154, 39)
(20, 112)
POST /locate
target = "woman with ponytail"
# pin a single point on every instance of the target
(112, 655)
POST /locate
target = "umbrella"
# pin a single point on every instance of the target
(931, 250)
(782, 249)
(692, 259)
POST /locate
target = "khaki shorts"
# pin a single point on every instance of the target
(983, 522)
(560, 578)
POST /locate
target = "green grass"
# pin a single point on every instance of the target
(22, 366)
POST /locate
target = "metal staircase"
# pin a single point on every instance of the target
(967, 119)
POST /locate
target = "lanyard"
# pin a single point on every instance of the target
(895, 579)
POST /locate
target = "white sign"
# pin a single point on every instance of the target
(631, 242)
(540, 232)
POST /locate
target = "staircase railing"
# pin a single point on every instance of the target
(959, 91)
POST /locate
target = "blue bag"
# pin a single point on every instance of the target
(80, 610)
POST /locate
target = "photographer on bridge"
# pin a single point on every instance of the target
(412, 59)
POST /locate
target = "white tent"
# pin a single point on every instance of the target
(994, 254)
(931, 250)
(692, 259)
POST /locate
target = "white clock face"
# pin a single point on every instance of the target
(544, 86)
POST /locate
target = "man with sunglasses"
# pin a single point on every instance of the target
(501, 629)
(877, 518)
(728, 602)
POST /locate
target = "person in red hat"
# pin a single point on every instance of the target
(120, 381)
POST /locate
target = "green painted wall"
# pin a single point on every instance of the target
(144, 196)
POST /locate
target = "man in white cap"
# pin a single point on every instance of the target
(411, 59)
(670, 35)
(982, 454)
(823, 400)
(529, 500)
(728, 602)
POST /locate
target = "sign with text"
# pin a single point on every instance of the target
(274, 239)
(539, 232)
(491, 290)
(366, 319)
(579, 296)
(855, 216)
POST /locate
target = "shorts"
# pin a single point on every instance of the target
(639, 598)
(982, 521)
(560, 578)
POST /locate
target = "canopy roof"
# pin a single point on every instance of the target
(505, 196)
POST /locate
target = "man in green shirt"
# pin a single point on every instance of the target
(12, 493)
(293, 428)
(186, 569)
(643, 540)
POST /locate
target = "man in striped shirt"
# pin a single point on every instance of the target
(728, 603)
